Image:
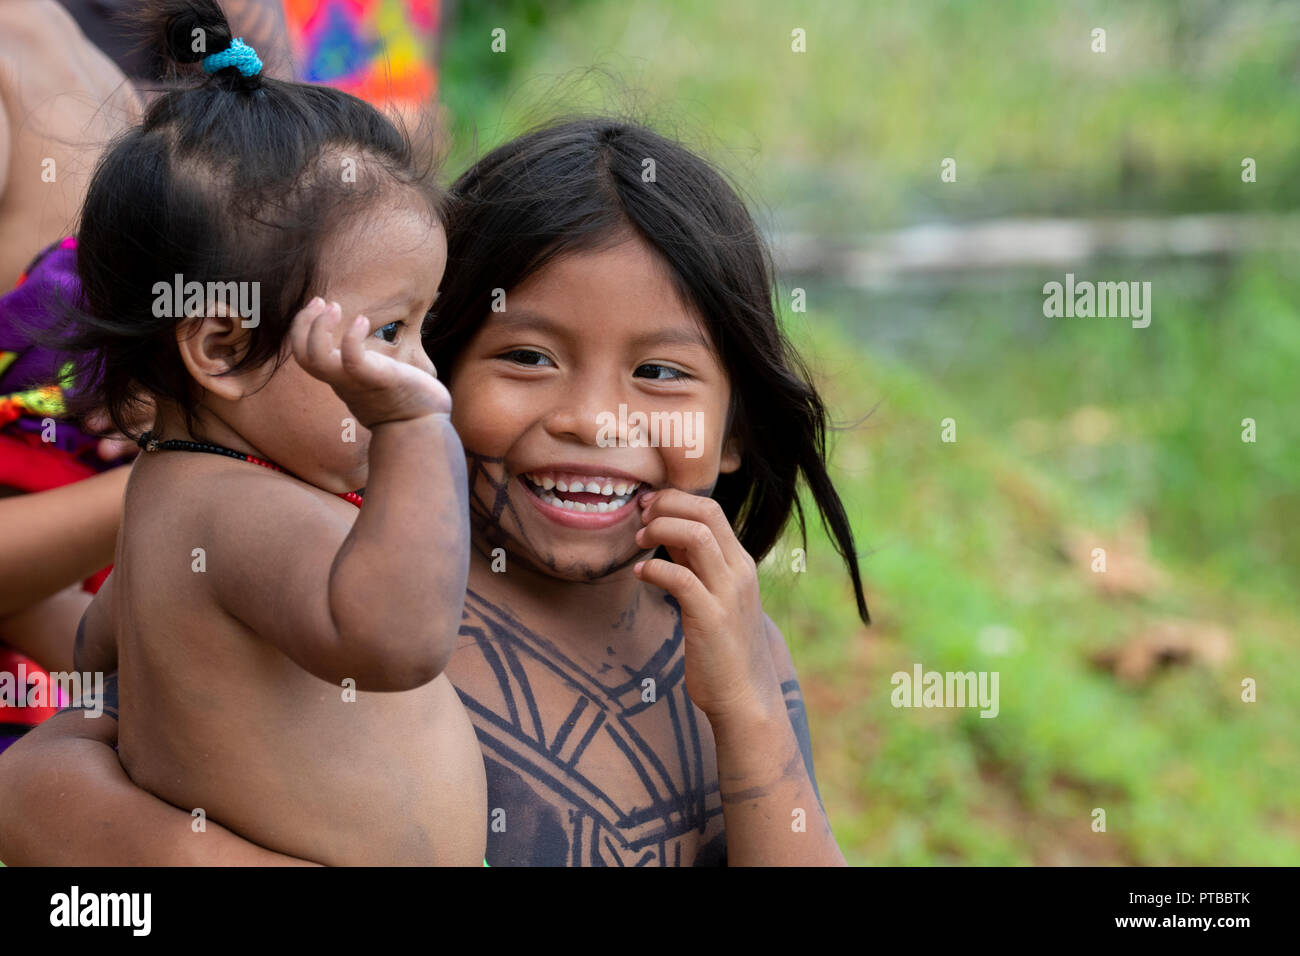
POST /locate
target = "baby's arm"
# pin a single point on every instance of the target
(379, 601)
(66, 801)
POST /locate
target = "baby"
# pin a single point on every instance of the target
(256, 261)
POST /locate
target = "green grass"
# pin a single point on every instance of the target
(965, 537)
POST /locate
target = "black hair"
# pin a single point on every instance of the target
(229, 178)
(576, 185)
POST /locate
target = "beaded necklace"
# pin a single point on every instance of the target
(149, 443)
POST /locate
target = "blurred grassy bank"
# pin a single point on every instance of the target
(980, 559)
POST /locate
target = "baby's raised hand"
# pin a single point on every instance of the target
(377, 388)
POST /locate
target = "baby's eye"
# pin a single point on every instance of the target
(388, 332)
(663, 373)
(527, 357)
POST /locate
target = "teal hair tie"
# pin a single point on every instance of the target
(239, 55)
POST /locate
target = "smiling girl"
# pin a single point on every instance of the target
(634, 704)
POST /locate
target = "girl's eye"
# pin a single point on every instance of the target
(663, 373)
(527, 357)
(388, 332)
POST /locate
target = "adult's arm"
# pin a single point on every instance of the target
(55, 538)
(45, 631)
(62, 101)
(261, 24)
(65, 800)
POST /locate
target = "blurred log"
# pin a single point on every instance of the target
(1020, 243)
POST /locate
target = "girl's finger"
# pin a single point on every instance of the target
(694, 542)
(673, 502)
(678, 581)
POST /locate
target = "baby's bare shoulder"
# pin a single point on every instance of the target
(228, 503)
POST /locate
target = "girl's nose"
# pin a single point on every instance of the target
(572, 423)
(578, 413)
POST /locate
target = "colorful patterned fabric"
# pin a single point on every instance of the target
(380, 50)
(28, 460)
(32, 376)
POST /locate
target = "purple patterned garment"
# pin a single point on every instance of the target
(47, 286)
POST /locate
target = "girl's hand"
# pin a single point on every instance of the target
(729, 668)
(376, 387)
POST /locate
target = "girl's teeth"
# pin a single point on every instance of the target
(595, 507)
(620, 491)
(607, 488)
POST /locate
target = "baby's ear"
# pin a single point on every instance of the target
(211, 345)
(731, 452)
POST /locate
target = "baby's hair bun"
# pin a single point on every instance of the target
(184, 32)
(185, 28)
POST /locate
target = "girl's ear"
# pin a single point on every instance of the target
(210, 345)
(730, 456)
